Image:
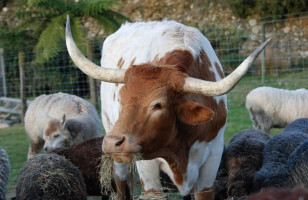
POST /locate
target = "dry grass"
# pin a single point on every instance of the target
(106, 172)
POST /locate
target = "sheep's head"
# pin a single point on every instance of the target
(61, 133)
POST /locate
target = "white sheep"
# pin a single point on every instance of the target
(60, 120)
(4, 172)
(275, 108)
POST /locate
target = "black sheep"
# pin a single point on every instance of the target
(240, 161)
(4, 172)
(298, 166)
(276, 171)
(87, 157)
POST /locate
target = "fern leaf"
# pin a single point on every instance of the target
(58, 5)
(93, 7)
(50, 40)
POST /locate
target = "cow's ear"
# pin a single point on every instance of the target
(193, 113)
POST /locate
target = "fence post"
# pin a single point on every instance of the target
(21, 63)
(2, 63)
(263, 57)
(92, 82)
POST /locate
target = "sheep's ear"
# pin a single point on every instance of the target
(193, 113)
(63, 118)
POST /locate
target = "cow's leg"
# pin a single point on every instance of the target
(204, 187)
(35, 147)
(121, 186)
(122, 176)
(148, 171)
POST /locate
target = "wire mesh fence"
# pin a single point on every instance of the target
(284, 63)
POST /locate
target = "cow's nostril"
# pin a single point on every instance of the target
(120, 142)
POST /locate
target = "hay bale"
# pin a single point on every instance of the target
(50, 176)
(4, 172)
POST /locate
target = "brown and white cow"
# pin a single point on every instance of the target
(166, 100)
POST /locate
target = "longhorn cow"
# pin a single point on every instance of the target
(163, 94)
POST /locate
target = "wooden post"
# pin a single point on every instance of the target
(2, 63)
(263, 67)
(21, 63)
(92, 82)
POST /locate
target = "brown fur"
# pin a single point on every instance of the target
(53, 126)
(207, 193)
(220, 72)
(87, 157)
(120, 63)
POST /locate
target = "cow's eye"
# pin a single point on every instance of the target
(157, 106)
(56, 136)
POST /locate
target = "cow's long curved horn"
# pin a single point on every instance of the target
(208, 88)
(87, 66)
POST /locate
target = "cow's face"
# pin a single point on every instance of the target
(151, 106)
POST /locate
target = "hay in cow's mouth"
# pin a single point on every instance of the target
(106, 169)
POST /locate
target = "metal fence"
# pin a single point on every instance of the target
(284, 63)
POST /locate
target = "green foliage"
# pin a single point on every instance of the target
(47, 21)
(251, 8)
(15, 40)
(3, 3)
(242, 8)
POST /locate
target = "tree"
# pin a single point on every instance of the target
(47, 19)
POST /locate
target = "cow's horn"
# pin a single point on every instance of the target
(88, 67)
(208, 88)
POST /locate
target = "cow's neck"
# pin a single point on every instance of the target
(177, 159)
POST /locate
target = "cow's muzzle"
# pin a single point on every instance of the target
(113, 144)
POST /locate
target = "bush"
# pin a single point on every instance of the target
(261, 8)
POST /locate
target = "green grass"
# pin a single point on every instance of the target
(15, 141)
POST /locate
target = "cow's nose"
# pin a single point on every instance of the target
(46, 149)
(113, 144)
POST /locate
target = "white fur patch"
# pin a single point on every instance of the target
(121, 170)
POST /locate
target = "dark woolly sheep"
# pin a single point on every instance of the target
(298, 166)
(4, 172)
(221, 181)
(241, 159)
(87, 157)
(275, 171)
(48, 177)
(280, 194)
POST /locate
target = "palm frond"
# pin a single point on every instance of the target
(50, 40)
(58, 5)
(92, 8)
(108, 22)
(78, 34)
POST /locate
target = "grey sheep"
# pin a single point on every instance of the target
(298, 166)
(4, 172)
(281, 162)
(60, 120)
